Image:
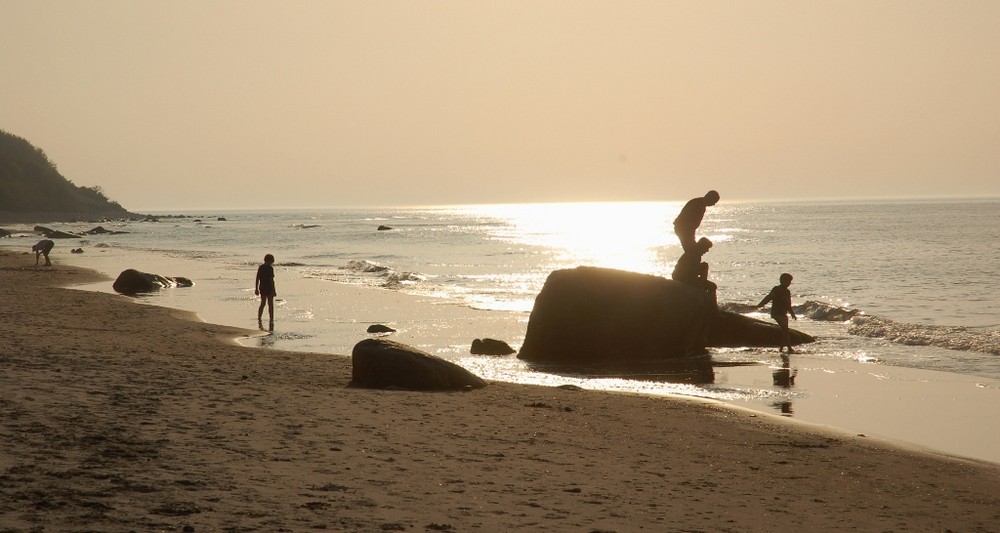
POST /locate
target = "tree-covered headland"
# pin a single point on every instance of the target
(32, 189)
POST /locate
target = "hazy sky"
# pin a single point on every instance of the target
(212, 104)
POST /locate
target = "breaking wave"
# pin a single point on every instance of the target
(365, 266)
(950, 337)
(959, 338)
(812, 310)
(390, 278)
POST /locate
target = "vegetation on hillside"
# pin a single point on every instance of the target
(31, 183)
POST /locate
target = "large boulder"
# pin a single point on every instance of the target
(381, 363)
(598, 315)
(132, 281)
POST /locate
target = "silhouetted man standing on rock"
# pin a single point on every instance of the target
(690, 218)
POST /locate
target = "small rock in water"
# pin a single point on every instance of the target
(491, 347)
(380, 328)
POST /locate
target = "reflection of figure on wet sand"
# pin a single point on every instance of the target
(784, 377)
(690, 218)
(264, 286)
(690, 269)
(267, 341)
(781, 306)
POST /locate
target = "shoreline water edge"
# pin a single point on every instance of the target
(120, 416)
(946, 412)
(442, 277)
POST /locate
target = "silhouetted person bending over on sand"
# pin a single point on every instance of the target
(690, 269)
(781, 306)
(690, 218)
(43, 247)
(264, 286)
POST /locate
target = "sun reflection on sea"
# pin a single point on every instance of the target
(623, 235)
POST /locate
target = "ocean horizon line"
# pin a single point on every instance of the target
(847, 200)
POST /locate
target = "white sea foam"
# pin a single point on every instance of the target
(950, 337)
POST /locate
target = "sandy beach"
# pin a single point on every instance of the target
(118, 416)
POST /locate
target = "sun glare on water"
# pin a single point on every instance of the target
(623, 235)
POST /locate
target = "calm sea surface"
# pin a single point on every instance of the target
(929, 268)
(921, 364)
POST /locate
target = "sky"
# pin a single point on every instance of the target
(284, 104)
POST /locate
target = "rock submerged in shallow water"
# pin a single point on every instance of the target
(56, 234)
(381, 363)
(490, 347)
(591, 315)
(731, 330)
(132, 281)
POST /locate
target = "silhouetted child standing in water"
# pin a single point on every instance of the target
(264, 286)
(781, 306)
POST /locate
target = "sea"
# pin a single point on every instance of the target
(888, 285)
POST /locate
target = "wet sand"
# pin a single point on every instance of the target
(944, 412)
(119, 416)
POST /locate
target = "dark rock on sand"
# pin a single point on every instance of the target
(491, 347)
(384, 228)
(132, 281)
(380, 328)
(381, 363)
(599, 315)
(76, 251)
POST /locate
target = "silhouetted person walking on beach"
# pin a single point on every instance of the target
(690, 269)
(781, 306)
(690, 218)
(43, 247)
(264, 286)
